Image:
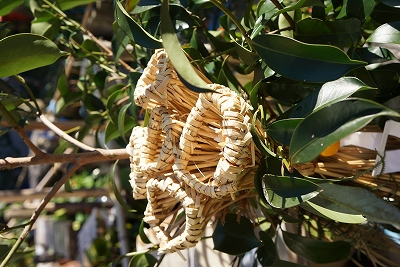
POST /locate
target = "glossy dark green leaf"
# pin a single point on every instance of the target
(316, 250)
(282, 130)
(6, 6)
(142, 234)
(133, 30)
(143, 260)
(265, 11)
(118, 43)
(111, 132)
(357, 201)
(26, 51)
(330, 124)
(125, 123)
(67, 100)
(69, 4)
(258, 140)
(266, 254)
(236, 232)
(340, 33)
(328, 94)
(303, 62)
(386, 33)
(384, 13)
(337, 216)
(392, 3)
(92, 103)
(386, 80)
(360, 9)
(288, 91)
(175, 53)
(286, 192)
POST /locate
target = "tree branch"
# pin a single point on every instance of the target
(97, 155)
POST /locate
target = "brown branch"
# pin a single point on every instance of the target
(97, 155)
(64, 135)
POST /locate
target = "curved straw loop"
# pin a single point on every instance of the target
(232, 116)
(159, 85)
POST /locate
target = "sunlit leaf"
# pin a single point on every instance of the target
(330, 124)
(175, 53)
(316, 250)
(68, 4)
(329, 93)
(303, 62)
(26, 51)
(338, 216)
(357, 201)
(286, 192)
(143, 260)
(386, 33)
(234, 232)
(142, 234)
(133, 30)
(117, 192)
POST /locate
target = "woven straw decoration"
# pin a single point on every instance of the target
(195, 154)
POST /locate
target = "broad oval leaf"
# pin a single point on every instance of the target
(356, 200)
(386, 33)
(133, 30)
(286, 192)
(25, 52)
(340, 33)
(241, 234)
(170, 41)
(303, 62)
(338, 216)
(330, 124)
(329, 93)
(316, 250)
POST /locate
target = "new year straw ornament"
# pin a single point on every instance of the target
(194, 156)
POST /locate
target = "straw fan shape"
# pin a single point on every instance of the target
(195, 155)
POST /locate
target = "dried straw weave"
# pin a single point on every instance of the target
(195, 155)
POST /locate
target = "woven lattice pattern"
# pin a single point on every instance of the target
(194, 156)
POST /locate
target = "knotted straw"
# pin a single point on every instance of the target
(194, 156)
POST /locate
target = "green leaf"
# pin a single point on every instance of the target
(26, 51)
(282, 263)
(386, 33)
(6, 6)
(303, 62)
(142, 234)
(111, 132)
(68, 4)
(338, 216)
(282, 130)
(360, 9)
(340, 33)
(330, 124)
(286, 192)
(234, 232)
(11, 102)
(317, 251)
(143, 260)
(266, 254)
(357, 201)
(328, 94)
(49, 28)
(117, 192)
(258, 141)
(133, 30)
(170, 41)
(125, 123)
(300, 4)
(383, 13)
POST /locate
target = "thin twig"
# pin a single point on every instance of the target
(63, 135)
(11, 120)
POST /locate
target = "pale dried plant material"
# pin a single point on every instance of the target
(194, 158)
